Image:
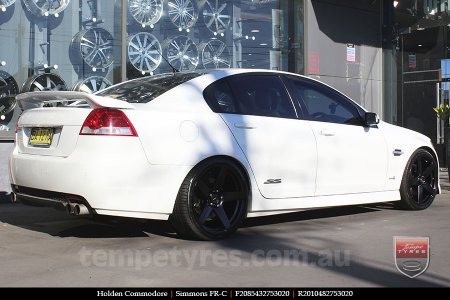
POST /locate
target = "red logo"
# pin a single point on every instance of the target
(412, 255)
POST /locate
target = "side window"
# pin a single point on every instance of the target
(321, 105)
(262, 95)
(220, 98)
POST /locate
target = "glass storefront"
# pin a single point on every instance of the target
(422, 44)
(88, 45)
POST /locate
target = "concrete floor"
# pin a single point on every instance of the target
(339, 247)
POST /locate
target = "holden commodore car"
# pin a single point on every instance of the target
(207, 149)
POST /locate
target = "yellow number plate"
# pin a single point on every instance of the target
(41, 136)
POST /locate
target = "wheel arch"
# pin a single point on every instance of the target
(239, 164)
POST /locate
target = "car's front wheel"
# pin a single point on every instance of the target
(212, 201)
(420, 181)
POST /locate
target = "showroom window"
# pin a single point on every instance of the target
(88, 45)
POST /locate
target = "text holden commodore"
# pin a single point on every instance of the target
(207, 149)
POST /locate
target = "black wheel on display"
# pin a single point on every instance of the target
(8, 91)
(420, 181)
(44, 82)
(212, 201)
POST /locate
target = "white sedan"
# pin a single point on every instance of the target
(207, 149)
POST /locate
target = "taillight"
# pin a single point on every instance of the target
(107, 121)
(17, 124)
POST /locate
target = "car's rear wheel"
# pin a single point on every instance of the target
(212, 201)
(420, 181)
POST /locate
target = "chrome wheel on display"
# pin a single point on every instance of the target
(215, 18)
(92, 84)
(5, 3)
(46, 7)
(183, 13)
(44, 82)
(95, 46)
(146, 12)
(8, 90)
(216, 55)
(144, 52)
(182, 53)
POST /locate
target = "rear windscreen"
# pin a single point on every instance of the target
(146, 89)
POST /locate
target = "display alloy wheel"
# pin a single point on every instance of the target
(144, 52)
(44, 82)
(420, 181)
(214, 16)
(92, 84)
(182, 53)
(146, 12)
(212, 201)
(6, 3)
(215, 54)
(8, 90)
(183, 13)
(95, 46)
(46, 7)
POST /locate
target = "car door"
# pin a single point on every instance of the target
(280, 148)
(352, 158)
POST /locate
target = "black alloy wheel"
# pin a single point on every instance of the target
(212, 201)
(420, 181)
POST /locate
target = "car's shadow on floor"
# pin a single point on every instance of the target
(58, 223)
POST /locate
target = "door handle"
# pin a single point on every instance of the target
(326, 133)
(244, 126)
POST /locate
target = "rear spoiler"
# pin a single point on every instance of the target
(69, 99)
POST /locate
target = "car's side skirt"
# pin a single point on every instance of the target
(265, 206)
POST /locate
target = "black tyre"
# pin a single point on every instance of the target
(420, 181)
(212, 201)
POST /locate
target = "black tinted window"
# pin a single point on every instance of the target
(324, 105)
(220, 98)
(146, 89)
(262, 95)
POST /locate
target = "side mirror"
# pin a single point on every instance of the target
(371, 119)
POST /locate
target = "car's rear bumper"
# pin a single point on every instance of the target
(111, 174)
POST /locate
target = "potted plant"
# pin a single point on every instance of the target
(443, 113)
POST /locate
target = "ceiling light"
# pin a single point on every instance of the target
(395, 3)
